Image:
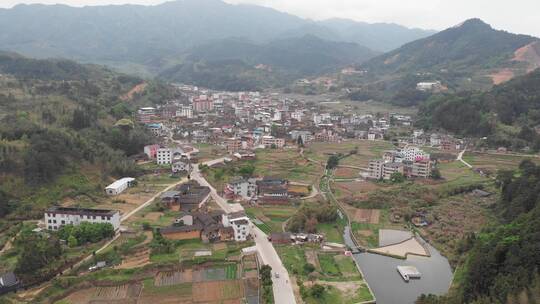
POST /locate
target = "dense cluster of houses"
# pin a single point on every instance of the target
(409, 161)
(244, 121)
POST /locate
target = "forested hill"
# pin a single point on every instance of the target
(507, 115)
(503, 261)
(237, 64)
(57, 131)
(469, 55)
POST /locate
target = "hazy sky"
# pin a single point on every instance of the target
(518, 16)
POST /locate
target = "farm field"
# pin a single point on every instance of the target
(334, 270)
(286, 164)
(208, 284)
(494, 162)
(272, 218)
(367, 150)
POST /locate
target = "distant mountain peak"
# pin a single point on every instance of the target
(474, 23)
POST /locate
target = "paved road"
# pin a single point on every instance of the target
(460, 158)
(283, 291)
(196, 175)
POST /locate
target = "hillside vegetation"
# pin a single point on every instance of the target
(502, 263)
(507, 115)
(469, 56)
(57, 131)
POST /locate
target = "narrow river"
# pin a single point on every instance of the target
(389, 288)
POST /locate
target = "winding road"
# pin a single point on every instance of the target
(282, 286)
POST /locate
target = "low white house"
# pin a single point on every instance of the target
(56, 217)
(240, 223)
(119, 186)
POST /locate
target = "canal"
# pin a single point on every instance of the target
(389, 288)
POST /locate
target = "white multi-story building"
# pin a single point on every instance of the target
(413, 153)
(185, 111)
(56, 217)
(245, 188)
(240, 223)
(164, 156)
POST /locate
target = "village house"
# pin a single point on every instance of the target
(56, 217)
(240, 224)
(273, 191)
(241, 187)
(180, 166)
(186, 197)
(206, 226)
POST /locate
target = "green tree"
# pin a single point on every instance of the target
(397, 178)
(333, 162)
(72, 241)
(317, 291)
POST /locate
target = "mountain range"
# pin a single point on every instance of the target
(470, 55)
(150, 39)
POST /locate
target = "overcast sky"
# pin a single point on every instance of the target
(518, 16)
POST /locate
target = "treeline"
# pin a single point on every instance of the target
(515, 104)
(84, 233)
(503, 261)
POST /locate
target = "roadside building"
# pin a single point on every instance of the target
(242, 187)
(187, 197)
(56, 217)
(120, 185)
(180, 166)
(240, 223)
(281, 238)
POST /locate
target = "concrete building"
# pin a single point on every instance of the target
(271, 141)
(240, 224)
(56, 217)
(119, 186)
(146, 115)
(181, 166)
(241, 187)
(185, 111)
(233, 144)
(414, 153)
(375, 168)
(391, 168)
(421, 168)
